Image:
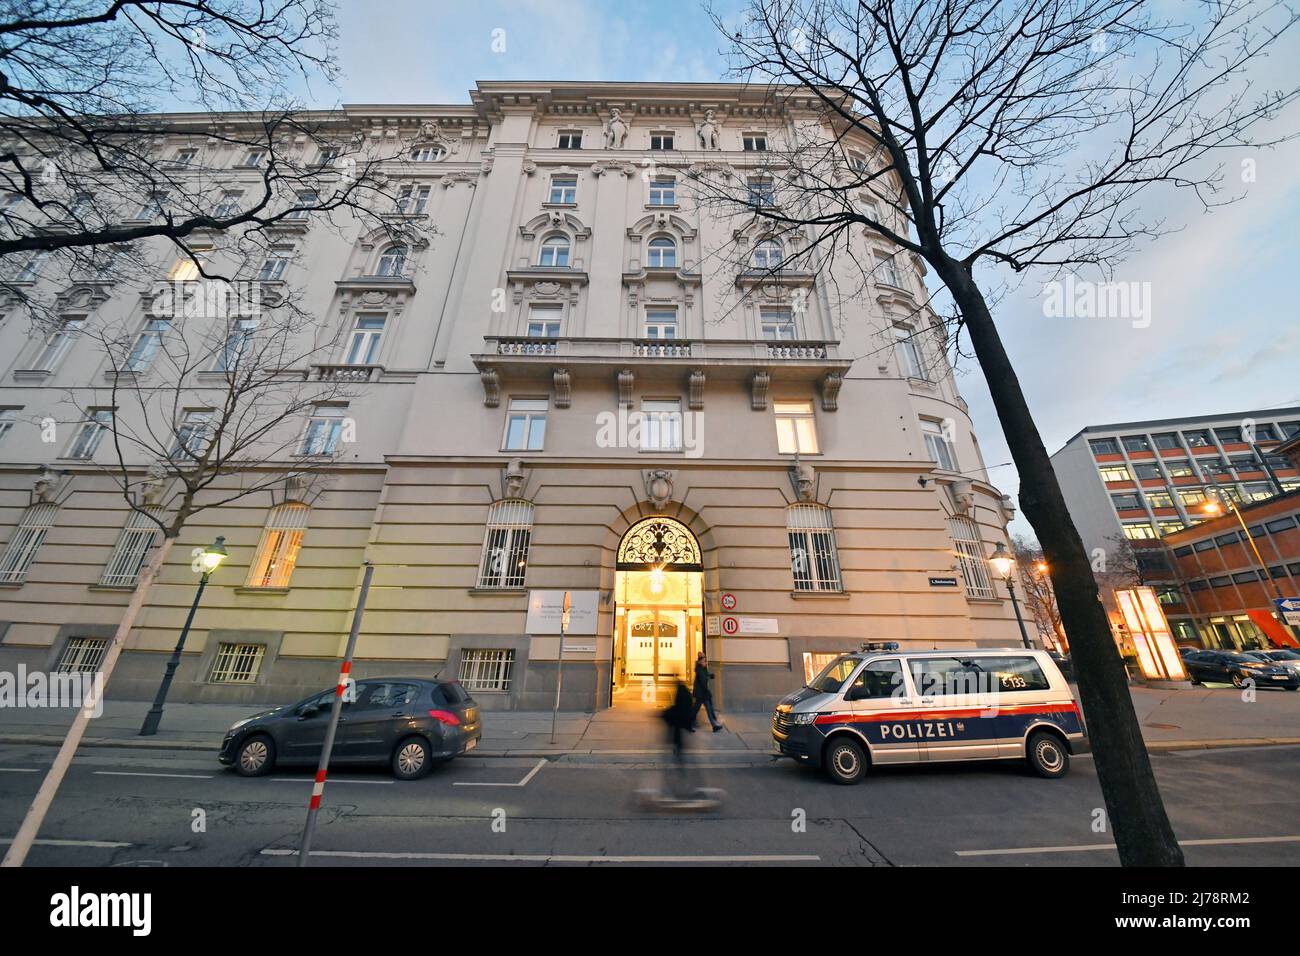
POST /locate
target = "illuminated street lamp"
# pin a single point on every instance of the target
(1003, 563)
(207, 561)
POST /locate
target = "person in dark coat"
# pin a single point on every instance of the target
(680, 717)
(703, 696)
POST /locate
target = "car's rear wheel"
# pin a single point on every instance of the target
(255, 756)
(1238, 681)
(411, 759)
(1047, 755)
(845, 762)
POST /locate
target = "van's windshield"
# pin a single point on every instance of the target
(833, 675)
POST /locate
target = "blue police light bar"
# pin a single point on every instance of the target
(880, 646)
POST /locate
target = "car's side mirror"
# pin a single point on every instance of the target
(854, 692)
(308, 710)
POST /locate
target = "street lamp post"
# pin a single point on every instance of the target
(1004, 562)
(1217, 507)
(209, 560)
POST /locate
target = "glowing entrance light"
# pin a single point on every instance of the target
(657, 579)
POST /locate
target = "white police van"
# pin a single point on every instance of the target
(880, 705)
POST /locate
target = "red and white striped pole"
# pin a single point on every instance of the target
(322, 769)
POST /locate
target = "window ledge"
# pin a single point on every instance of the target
(491, 592)
(13, 585)
(821, 595)
(119, 588)
(31, 374)
(559, 205)
(245, 589)
(662, 205)
(984, 600)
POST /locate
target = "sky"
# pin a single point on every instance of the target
(1224, 329)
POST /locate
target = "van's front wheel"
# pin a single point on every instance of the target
(1047, 755)
(845, 761)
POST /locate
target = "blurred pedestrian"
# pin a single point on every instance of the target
(680, 717)
(703, 696)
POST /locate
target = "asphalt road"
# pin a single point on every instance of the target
(137, 808)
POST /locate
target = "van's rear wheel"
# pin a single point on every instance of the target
(1047, 755)
(845, 761)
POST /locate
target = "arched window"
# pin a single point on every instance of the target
(393, 262)
(662, 253)
(28, 537)
(555, 252)
(813, 557)
(768, 255)
(505, 546)
(277, 552)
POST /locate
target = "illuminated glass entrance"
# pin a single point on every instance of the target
(658, 614)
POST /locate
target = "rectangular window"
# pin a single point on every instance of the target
(327, 156)
(525, 425)
(661, 140)
(82, 655)
(663, 191)
(57, 344)
(412, 200)
(660, 323)
(545, 320)
(1200, 438)
(570, 139)
(152, 207)
(146, 345)
(1169, 527)
(274, 265)
(191, 434)
(1139, 532)
(564, 190)
(184, 158)
(754, 142)
(761, 192)
(324, 429)
(1136, 443)
(1146, 470)
(486, 670)
(237, 663)
(8, 416)
(661, 424)
(238, 338)
(1103, 446)
(1160, 499)
(363, 347)
(777, 324)
(1179, 469)
(32, 268)
(1111, 473)
(1191, 498)
(938, 444)
(1228, 436)
(26, 541)
(90, 434)
(969, 548)
(1125, 502)
(796, 428)
(1167, 441)
(228, 204)
(253, 159)
(909, 355)
(304, 202)
(505, 545)
(277, 551)
(139, 535)
(1281, 524)
(814, 560)
(857, 162)
(427, 154)
(1258, 491)
(887, 271)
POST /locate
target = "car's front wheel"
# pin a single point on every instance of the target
(255, 756)
(1047, 755)
(845, 761)
(411, 759)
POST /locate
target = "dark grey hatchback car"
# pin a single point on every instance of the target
(408, 723)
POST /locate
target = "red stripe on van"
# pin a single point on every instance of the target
(965, 712)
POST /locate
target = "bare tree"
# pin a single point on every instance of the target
(1000, 136)
(1040, 598)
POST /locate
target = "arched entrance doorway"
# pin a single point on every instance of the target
(658, 611)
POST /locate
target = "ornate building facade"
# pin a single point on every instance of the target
(590, 381)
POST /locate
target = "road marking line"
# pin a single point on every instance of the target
(98, 844)
(1087, 847)
(548, 857)
(19, 770)
(312, 780)
(129, 773)
(522, 783)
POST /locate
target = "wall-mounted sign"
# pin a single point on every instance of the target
(943, 582)
(730, 625)
(728, 601)
(712, 627)
(1290, 608)
(751, 625)
(546, 610)
(579, 645)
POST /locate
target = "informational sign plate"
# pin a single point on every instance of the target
(712, 627)
(1289, 608)
(579, 645)
(943, 582)
(753, 625)
(546, 611)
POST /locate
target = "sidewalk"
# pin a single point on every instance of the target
(1174, 718)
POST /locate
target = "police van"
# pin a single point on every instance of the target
(881, 706)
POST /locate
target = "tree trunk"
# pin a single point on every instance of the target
(31, 824)
(1135, 811)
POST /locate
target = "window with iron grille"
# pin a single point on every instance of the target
(813, 557)
(505, 546)
(82, 655)
(277, 552)
(237, 663)
(139, 535)
(27, 539)
(482, 669)
(970, 551)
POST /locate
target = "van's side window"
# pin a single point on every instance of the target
(879, 679)
(944, 676)
(1013, 673)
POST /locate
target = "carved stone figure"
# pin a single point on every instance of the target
(516, 476)
(709, 132)
(615, 130)
(659, 487)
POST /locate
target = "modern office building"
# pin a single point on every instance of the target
(1143, 480)
(586, 381)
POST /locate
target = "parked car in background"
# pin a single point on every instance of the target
(1063, 662)
(408, 723)
(1235, 667)
(1283, 657)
